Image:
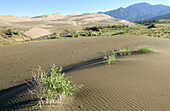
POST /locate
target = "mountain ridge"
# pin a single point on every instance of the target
(139, 11)
(166, 16)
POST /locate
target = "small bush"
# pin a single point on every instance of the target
(73, 35)
(145, 49)
(52, 86)
(77, 35)
(90, 33)
(55, 36)
(125, 51)
(109, 59)
(11, 33)
(100, 34)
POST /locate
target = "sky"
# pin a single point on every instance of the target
(41, 7)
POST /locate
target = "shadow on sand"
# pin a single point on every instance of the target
(17, 97)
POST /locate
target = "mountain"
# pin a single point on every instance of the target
(166, 16)
(139, 11)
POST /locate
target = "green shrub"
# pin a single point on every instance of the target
(145, 49)
(100, 34)
(10, 33)
(52, 86)
(77, 35)
(55, 36)
(109, 59)
(125, 51)
(90, 33)
(122, 52)
(56, 84)
(73, 35)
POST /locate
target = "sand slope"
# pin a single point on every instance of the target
(36, 32)
(132, 83)
(58, 22)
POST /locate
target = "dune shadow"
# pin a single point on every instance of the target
(11, 98)
(84, 65)
(17, 103)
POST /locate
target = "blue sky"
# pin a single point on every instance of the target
(41, 7)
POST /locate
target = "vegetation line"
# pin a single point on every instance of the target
(9, 36)
(124, 52)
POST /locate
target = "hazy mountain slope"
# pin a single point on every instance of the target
(166, 16)
(140, 11)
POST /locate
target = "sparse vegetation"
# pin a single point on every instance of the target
(52, 86)
(159, 31)
(12, 36)
(90, 33)
(10, 33)
(109, 59)
(107, 30)
(55, 36)
(149, 22)
(145, 49)
(124, 52)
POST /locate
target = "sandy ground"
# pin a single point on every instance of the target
(132, 83)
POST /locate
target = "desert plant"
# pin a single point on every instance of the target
(122, 52)
(125, 51)
(52, 86)
(73, 35)
(77, 35)
(55, 36)
(110, 58)
(145, 49)
(9, 33)
(100, 34)
(90, 33)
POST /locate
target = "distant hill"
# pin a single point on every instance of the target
(140, 11)
(166, 16)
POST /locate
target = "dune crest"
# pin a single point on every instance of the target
(50, 17)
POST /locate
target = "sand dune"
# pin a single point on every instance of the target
(50, 17)
(13, 18)
(59, 22)
(36, 32)
(132, 83)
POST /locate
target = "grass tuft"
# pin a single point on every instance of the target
(110, 58)
(145, 49)
(124, 52)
